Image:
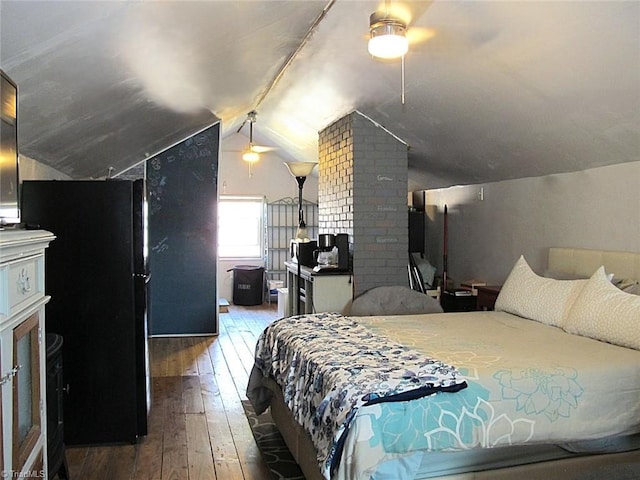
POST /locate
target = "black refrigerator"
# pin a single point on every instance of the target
(98, 277)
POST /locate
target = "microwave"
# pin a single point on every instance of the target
(302, 252)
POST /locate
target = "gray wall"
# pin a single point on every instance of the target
(491, 225)
(31, 169)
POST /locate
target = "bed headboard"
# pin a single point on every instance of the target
(583, 262)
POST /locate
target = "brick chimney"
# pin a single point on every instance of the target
(362, 191)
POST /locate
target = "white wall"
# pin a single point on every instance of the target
(597, 208)
(270, 178)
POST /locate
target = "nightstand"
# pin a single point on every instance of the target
(451, 302)
(487, 295)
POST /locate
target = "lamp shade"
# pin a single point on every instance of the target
(388, 37)
(300, 169)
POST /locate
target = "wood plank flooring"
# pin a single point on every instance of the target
(197, 427)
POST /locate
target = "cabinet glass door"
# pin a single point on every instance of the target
(26, 390)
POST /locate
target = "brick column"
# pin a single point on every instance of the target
(362, 191)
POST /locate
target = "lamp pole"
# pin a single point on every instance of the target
(300, 235)
(300, 171)
(302, 227)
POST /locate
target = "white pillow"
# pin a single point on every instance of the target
(604, 312)
(529, 295)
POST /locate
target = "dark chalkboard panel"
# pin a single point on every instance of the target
(182, 183)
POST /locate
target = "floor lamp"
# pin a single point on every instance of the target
(300, 171)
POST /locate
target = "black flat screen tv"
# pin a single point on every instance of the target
(9, 180)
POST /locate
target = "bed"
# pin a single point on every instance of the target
(547, 386)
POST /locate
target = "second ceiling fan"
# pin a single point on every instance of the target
(252, 153)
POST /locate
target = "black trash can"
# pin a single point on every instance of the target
(247, 284)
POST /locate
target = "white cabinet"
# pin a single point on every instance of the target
(23, 353)
(319, 292)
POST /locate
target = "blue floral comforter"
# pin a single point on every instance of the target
(329, 367)
(526, 383)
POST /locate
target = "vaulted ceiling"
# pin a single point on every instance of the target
(493, 89)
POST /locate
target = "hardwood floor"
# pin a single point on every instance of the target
(197, 427)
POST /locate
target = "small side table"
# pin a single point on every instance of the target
(487, 295)
(451, 302)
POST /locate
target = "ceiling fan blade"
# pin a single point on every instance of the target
(406, 11)
(262, 148)
(397, 10)
(420, 34)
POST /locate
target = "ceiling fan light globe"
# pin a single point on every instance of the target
(388, 39)
(250, 156)
(388, 46)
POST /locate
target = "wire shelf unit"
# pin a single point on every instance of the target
(281, 224)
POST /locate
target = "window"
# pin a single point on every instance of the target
(240, 229)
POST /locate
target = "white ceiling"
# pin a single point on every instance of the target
(494, 90)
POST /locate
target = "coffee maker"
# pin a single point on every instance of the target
(332, 254)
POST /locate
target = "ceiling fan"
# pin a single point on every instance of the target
(390, 29)
(390, 34)
(466, 35)
(252, 152)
